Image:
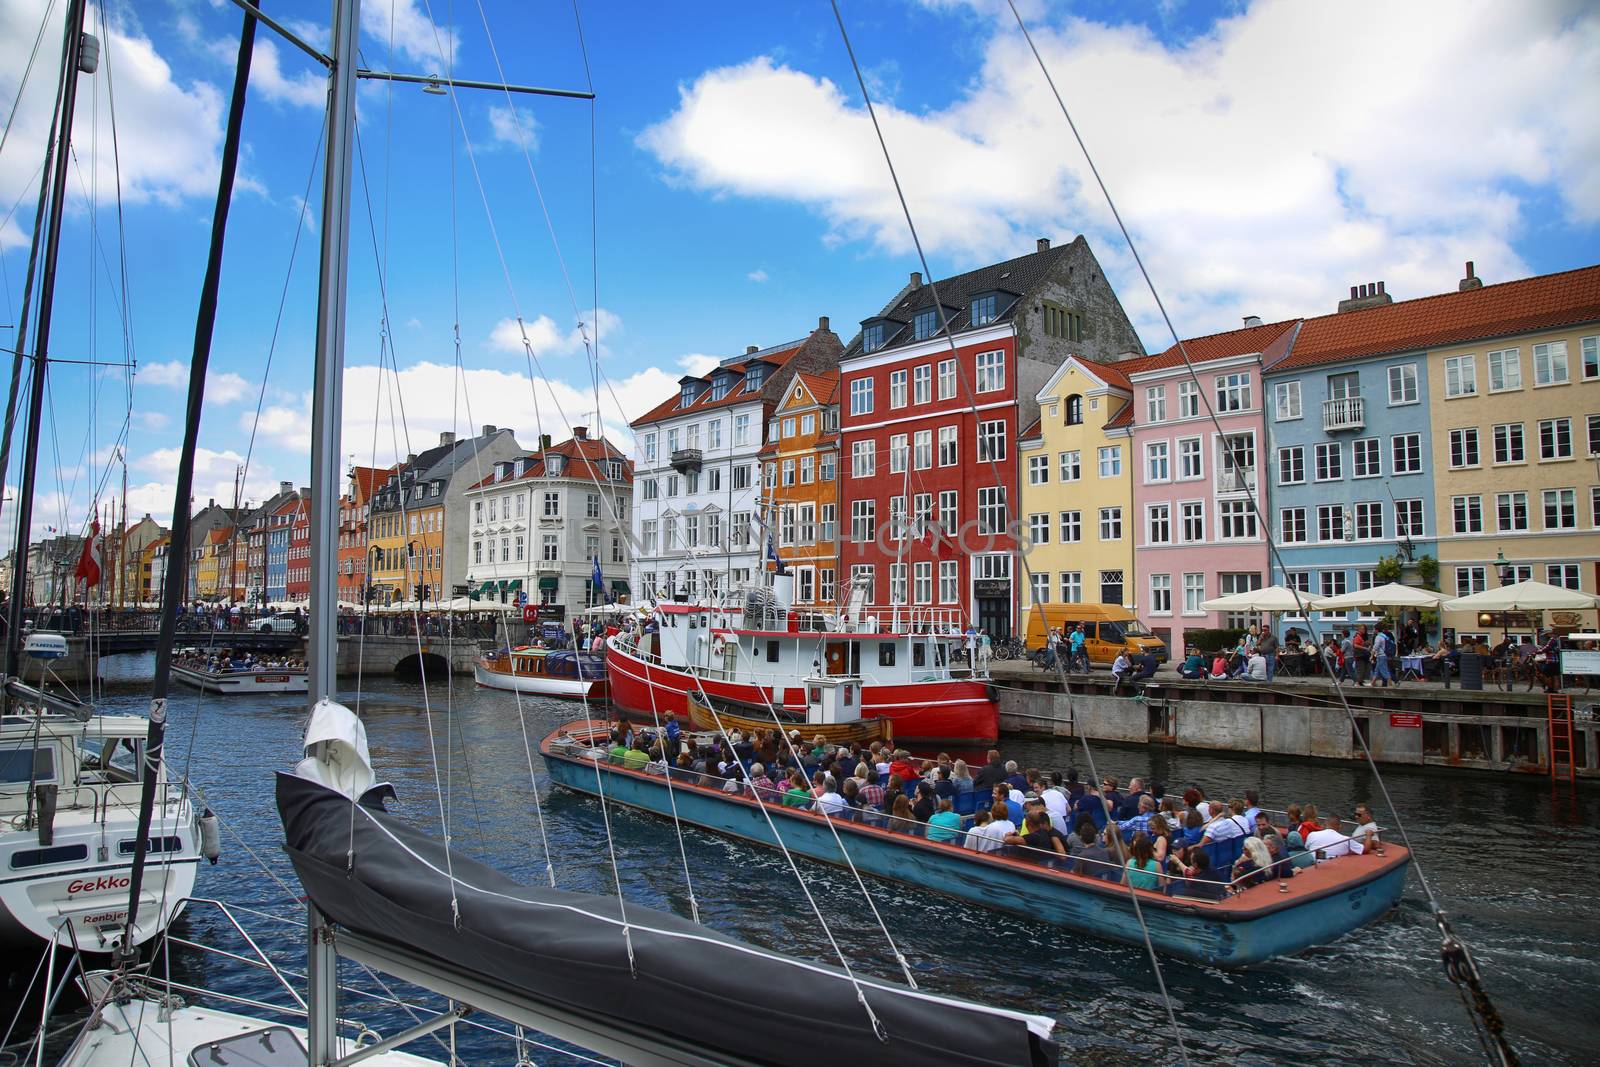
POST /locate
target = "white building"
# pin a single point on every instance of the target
(697, 473)
(537, 523)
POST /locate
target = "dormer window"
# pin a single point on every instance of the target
(687, 398)
(754, 378)
(873, 337)
(925, 324)
(719, 387)
(614, 470)
(555, 463)
(985, 309)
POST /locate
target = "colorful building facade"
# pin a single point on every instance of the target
(800, 466)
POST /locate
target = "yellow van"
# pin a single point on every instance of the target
(1107, 629)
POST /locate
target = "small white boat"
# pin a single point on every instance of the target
(547, 672)
(69, 801)
(228, 682)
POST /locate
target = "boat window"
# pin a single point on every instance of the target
(273, 1046)
(885, 654)
(14, 765)
(941, 655)
(849, 695)
(38, 857)
(125, 761)
(772, 651)
(919, 655)
(157, 844)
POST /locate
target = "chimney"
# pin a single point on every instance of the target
(916, 280)
(1042, 244)
(488, 429)
(822, 324)
(1471, 281)
(285, 487)
(411, 459)
(581, 433)
(1252, 320)
(1366, 295)
(750, 349)
(213, 503)
(544, 442)
(447, 437)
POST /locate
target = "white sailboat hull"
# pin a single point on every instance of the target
(544, 685)
(239, 682)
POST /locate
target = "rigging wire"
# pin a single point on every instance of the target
(1458, 962)
(944, 325)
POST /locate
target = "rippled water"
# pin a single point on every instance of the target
(1510, 858)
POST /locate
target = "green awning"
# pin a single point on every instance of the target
(619, 587)
(549, 583)
(487, 589)
(514, 585)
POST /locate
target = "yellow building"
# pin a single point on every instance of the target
(1085, 409)
(800, 464)
(212, 565)
(1515, 423)
(147, 590)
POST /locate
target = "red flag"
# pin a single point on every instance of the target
(89, 561)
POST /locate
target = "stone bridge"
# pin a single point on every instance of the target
(404, 657)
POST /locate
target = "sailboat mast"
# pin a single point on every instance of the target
(322, 647)
(71, 53)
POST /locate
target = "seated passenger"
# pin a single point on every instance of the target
(902, 820)
(1039, 842)
(1298, 856)
(763, 787)
(1143, 872)
(1365, 835)
(976, 837)
(798, 795)
(992, 834)
(961, 776)
(1256, 668)
(1219, 667)
(945, 824)
(1198, 881)
(1328, 843)
(830, 802)
(1253, 864)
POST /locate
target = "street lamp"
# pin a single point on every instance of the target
(1503, 566)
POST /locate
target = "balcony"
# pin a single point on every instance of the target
(1236, 480)
(687, 460)
(1344, 413)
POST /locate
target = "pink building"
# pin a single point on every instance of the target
(1199, 495)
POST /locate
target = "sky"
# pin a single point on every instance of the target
(726, 189)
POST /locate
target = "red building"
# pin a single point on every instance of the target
(297, 580)
(353, 531)
(928, 467)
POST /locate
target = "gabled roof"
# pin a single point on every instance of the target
(1112, 375)
(1545, 302)
(366, 480)
(583, 461)
(1244, 342)
(1019, 275)
(823, 387)
(1123, 417)
(773, 357)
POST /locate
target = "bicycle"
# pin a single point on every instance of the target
(1043, 660)
(1010, 648)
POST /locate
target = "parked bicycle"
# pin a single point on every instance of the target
(1010, 648)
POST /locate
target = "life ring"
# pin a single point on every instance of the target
(718, 644)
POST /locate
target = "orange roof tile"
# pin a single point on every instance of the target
(822, 386)
(735, 395)
(1243, 342)
(1523, 306)
(583, 459)
(1123, 417)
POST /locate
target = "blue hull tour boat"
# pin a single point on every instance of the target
(1320, 904)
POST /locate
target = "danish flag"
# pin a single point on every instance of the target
(89, 561)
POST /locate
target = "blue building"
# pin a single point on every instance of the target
(1350, 454)
(278, 530)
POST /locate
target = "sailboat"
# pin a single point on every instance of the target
(614, 977)
(84, 800)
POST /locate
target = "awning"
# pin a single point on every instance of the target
(487, 589)
(619, 587)
(549, 583)
(513, 585)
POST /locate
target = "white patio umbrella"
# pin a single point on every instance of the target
(1524, 596)
(1272, 598)
(1392, 595)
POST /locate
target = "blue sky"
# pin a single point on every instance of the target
(1266, 155)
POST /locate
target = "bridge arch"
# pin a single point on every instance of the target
(412, 668)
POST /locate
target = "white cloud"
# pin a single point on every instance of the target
(170, 373)
(168, 133)
(757, 275)
(514, 129)
(222, 387)
(698, 363)
(1295, 149)
(411, 31)
(303, 88)
(547, 338)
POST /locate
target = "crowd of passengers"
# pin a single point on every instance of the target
(1187, 846)
(216, 661)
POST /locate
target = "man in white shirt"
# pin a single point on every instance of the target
(1227, 825)
(1366, 831)
(1057, 804)
(1258, 667)
(991, 836)
(1329, 843)
(830, 803)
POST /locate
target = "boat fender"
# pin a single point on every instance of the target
(45, 798)
(210, 836)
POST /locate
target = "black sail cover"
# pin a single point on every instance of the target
(568, 950)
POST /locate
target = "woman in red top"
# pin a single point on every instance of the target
(1309, 823)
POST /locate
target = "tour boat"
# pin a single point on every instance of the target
(230, 682)
(828, 716)
(69, 796)
(1318, 905)
(757, 653)
(578, 675)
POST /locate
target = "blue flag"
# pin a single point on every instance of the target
(772, 553)
(599, 581)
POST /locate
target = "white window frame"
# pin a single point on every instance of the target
(1286, 405)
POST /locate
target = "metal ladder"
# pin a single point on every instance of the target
(1558, 711)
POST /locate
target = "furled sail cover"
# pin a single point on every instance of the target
(568, 950)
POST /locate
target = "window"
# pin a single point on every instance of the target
(1505, 370)
(1292, 525)
(1464, 447)
(1189, 465)
(550, 546)
(984, 309)
(1157, 467)
(1300, 582)
(1188, 400)
(1287, 404)
(1155, 403)
(922, 583)
(949, 581)
(788, 472)
(948, 451)
(924, 324)
(1560, 509)
(769, 475)
(949, 519)
(1594, 434)
(477, 546)
(1403, 384)
(1330, 462)
(1408, 518)
(826, 467)
(922, 383)
(1194, 593)
(1591, 358)
(1059, 322)
(897, 517)
(921, 513)
(1111, 524)
(808, 523)
(863, 514)
(1508, 443)
(1292, 465)
(1369, 520)
(1550, 363)
(1471, 580)
(1193, 513)
(1330, 522)
(898, 388)
(713, 435)
(899, 453)
(1039, 528)
(826, 522)
(861, 396)
(1563, 575)
(591, 508)
(1038, 470)
(1511, 512)
(1366, 459)
(863, 459)
(1158, 524)
(873, 337)
(992, 441)
(1161, 594)
(991, 372)
(992, 509)
(1111, 462)
(1460, 376)
(1238, 520)
(1594, 506)
(1071, 527)
(947, 379)
(1334, 583)
(1468, 512)
(808, 470)
(1233, 392)
(1111, 587)
(924, 449)
(552, 505)
(1555, 438)
(1072, 587)
(897, 595)
(1074, 410)
(1071, 466)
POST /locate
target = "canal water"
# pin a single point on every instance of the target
(1511, 858)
